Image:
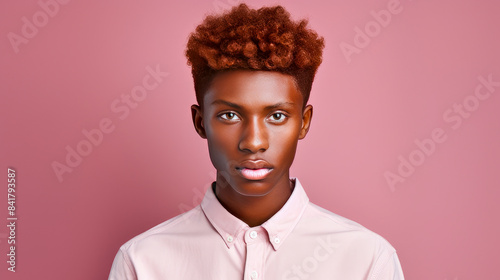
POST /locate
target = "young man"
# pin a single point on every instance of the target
(253, 71)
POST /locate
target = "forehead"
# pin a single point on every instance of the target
(253, 88)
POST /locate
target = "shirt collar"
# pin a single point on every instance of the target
(278, 226)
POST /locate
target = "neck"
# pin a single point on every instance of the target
(253, 210)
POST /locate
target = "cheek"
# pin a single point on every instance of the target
(221, 143)
(284, 142)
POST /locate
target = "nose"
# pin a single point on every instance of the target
(254, 137)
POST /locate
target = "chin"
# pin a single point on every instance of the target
(252, 188)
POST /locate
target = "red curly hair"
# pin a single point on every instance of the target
(265, 39)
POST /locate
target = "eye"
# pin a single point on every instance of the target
(278, 117)
(229, 116)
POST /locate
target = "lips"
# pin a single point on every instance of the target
(254, 169)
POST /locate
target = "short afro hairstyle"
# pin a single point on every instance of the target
(247, 39)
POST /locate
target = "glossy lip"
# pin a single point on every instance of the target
(254, 165)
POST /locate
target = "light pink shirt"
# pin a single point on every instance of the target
(301, 241)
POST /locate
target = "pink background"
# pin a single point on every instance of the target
(443, 219)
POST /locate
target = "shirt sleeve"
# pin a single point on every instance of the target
(122, 268)
(391, 270)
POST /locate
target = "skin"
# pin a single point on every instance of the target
(250, 115)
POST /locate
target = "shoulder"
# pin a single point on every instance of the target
(189, 221)
(343, 229)
(146, 251)
(349, 242)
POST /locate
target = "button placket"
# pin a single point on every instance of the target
(254, 250)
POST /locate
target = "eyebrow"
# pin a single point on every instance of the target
(234, 105)
(224, 102)
(281, 104)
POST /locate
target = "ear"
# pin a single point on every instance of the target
(306, 121)
(197, 116)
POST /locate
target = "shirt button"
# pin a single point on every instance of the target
(277, 240)
(253, 235)
(229, 238)
(254, 274)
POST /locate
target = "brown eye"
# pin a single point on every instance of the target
(229, 116)
(278, 117)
